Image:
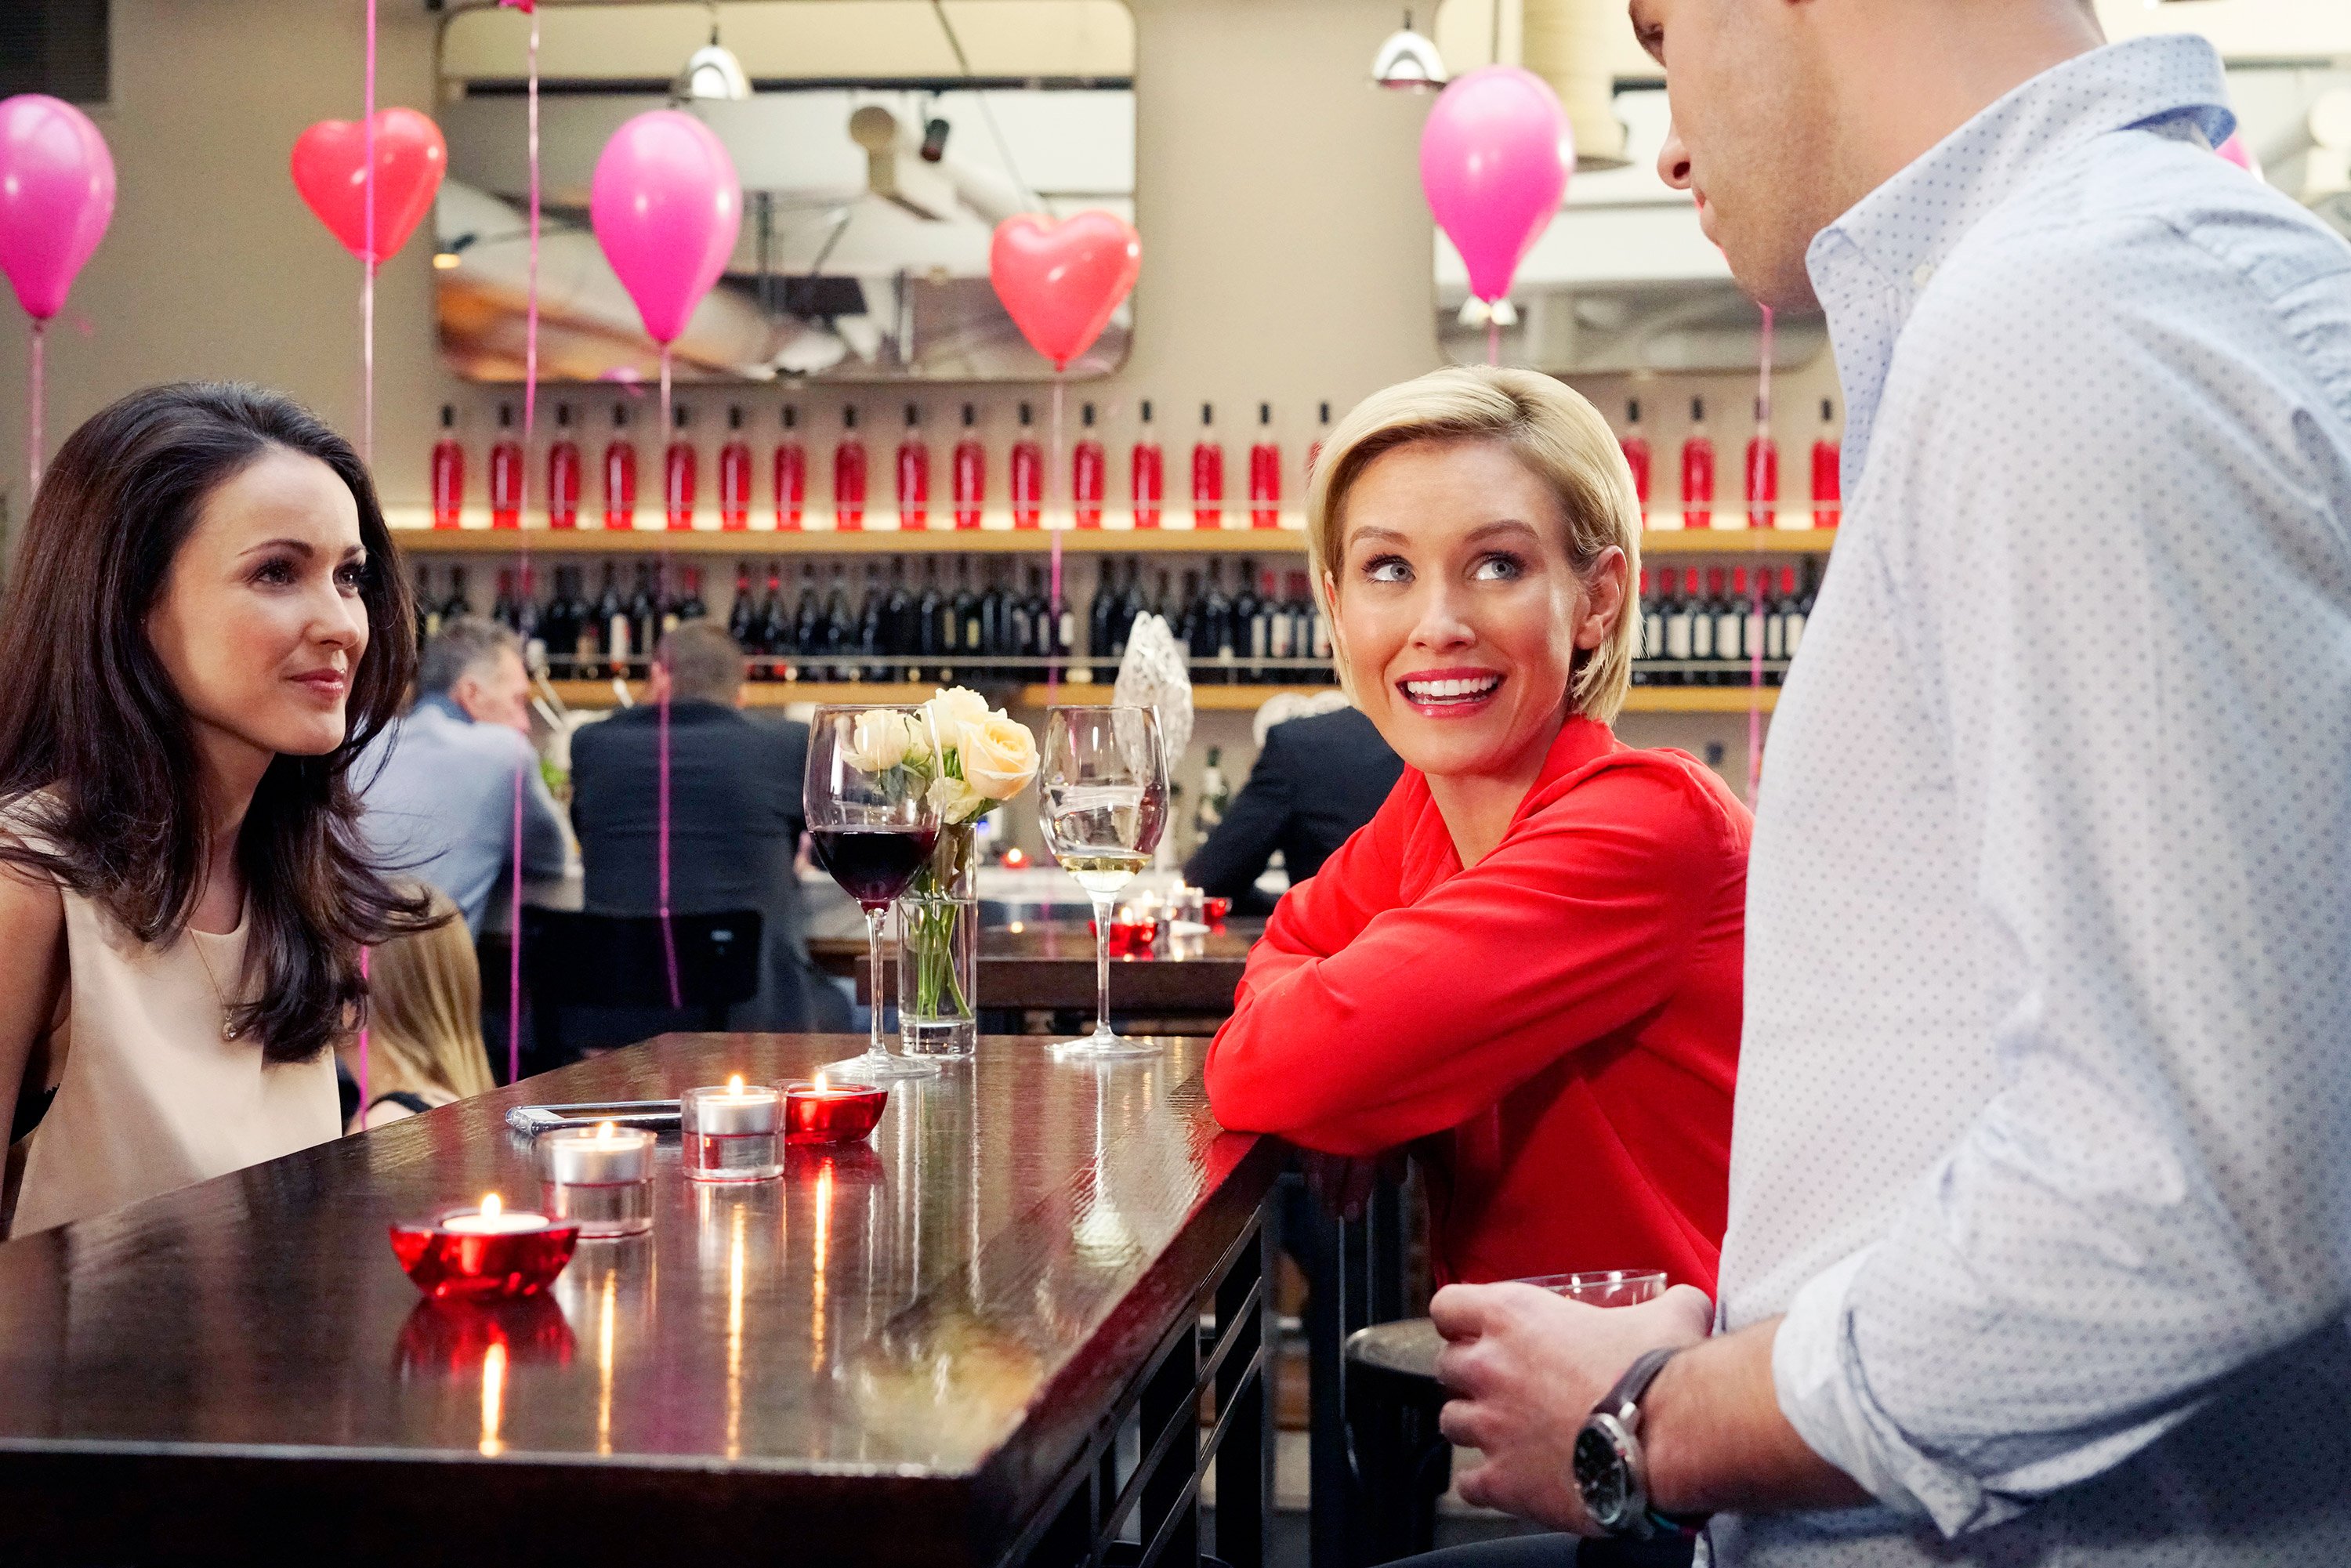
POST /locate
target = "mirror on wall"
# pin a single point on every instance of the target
(878, 143)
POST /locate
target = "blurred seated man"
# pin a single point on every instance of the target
(439, 785)
(1317, 780)
(735, 817)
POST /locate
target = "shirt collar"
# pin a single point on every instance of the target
(445, 706)
(1869, 267)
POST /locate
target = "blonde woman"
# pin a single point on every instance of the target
(424, 1023)
(1530, 958)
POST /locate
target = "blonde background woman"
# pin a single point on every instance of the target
(424, 1023)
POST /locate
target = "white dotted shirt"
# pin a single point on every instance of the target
(2043, 1127)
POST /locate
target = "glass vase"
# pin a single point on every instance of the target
(938, 951)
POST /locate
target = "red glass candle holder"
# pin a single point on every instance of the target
(1216, 909)
(831, 1113)
(499, 1265)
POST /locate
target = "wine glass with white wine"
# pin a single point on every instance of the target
(1102, 783)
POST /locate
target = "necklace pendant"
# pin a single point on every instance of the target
(228, 1031)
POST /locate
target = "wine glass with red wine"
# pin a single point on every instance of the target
(873, 825)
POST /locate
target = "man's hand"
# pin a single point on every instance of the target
(1529, 1366)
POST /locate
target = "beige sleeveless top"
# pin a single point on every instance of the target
(152, 1097)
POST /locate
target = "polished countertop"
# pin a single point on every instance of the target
(912, 1337)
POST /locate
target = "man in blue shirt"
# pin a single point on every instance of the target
(2040, 1220)
(439, 785)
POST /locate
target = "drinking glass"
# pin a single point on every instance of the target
(1604, 1287)
(874, 824)
(1102, 784)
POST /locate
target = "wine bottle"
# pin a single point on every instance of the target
(1730, 629)
(502, 603)
(807, 628)
(1207, 473)
(1637, 453)
(1322, 434)
(839, 627)
(448, 474)
(735, 477)
(849, 477)
(678, 475)
(743, 615)
(1130, 604)
(1702, 623)
(1697, 471)
(791, 473)
(505, 474)
(1102, 616)
(1027, 477)
(1265, 476)
(458, 603)
(930, 617)
(772, 639)
(900, 628)
(563, 473)
(1679, 633)
(914, 474)
(1280, 634)
(1751, 615)
(618, 641)
(870, 613)
(1086, 469)
(527, 621)
(692, 607)
(1147, 473)
(556, 627)
(970, 474)
(620, 474)
(1828, 482)
(1762, 473)
(1775, 619)
(1248, 632)
(645, 615)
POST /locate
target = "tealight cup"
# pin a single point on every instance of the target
(599, 1179)
(731, 1131)
(484, 1252)
(828, 1112)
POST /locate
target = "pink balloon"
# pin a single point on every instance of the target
(56, 196)
(1494, 160)
(1061, 282)
(666, 207)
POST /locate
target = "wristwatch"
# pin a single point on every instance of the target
(1612, 1473)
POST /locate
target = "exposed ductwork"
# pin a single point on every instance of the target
(1567, 43)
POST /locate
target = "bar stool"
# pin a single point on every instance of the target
(1401, 1462)
(597, 980)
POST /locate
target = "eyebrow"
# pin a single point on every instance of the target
(1483, 530)
(303, 548)
(1650, 36)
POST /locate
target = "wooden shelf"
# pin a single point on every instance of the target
(416, 538)
(1204, 699)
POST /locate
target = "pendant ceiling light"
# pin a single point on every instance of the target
(1408, 60)
(712, 71)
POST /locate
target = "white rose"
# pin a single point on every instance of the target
(878, 742)
(999, 757)
(957, 801)
(954, 711)
(919, 735)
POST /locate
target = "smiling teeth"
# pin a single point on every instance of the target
(1450, 691)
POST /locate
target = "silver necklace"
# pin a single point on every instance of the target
(229, 1031)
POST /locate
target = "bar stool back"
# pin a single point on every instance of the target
(597, 980)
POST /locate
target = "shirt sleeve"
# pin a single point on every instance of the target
(1237, 853)
(2130, 611)
(1361, 1025)
(545, 841)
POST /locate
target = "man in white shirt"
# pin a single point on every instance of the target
(2040, 1239)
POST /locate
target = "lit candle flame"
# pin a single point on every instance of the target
(735, 1084)
(604, 1131)
(490, 1206)
(820, 1079)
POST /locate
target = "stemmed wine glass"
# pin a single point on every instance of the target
(1103, 779)
(874, 824)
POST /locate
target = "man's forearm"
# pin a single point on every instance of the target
(1716, 1442)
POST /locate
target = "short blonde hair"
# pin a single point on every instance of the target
(424, 1003)
(1557, 435)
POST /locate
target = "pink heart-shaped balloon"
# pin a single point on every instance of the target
(1060, 282)
(56, 196)
(331, 172)
(666, 207)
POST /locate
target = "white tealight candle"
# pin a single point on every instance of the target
(493, 1219)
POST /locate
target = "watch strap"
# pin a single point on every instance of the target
(1624, 1401)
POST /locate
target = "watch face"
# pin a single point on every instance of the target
(1603, 1476)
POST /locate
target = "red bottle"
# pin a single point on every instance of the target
(1697, 471)
(620, 474)
(1265, 474)
(1762, 473)
(505, 474)
(849, 477)
(1208, 475)
(1828, 474)
(970, 475)
(913, 476)
(448, 474)
(1314, 452)
(791, 474)
(1148, 475)
(735, 477)
(678, 475)
(1086, 471)
(563, 473)
(1637, 453)
(1028, 478)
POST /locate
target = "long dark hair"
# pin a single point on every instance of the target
(97, 750)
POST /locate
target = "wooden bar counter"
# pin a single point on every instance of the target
(988, 1337)
(1051, 964)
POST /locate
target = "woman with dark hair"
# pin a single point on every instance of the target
(207, 624)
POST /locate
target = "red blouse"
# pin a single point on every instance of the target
(1560, 1022)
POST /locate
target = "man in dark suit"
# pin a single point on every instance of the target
(735, 817)
(1317, 780)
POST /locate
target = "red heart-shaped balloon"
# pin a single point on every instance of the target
(329, 170)
(1060, 282)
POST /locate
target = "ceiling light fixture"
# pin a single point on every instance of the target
(712, 71)
(1408, 60)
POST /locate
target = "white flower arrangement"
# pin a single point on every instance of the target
(985, 757)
